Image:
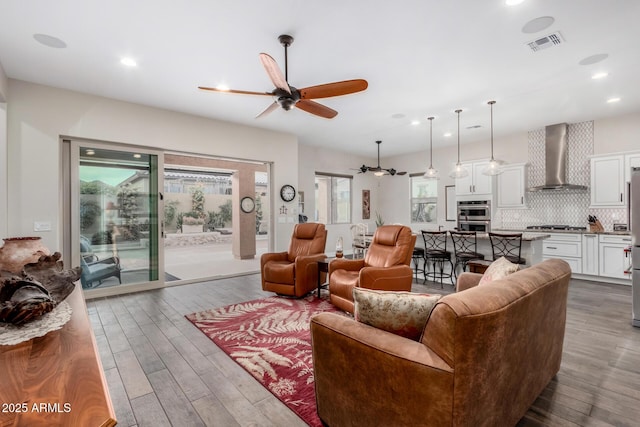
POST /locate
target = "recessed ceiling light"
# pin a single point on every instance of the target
(512, 2)
(612, 100)
(447, 134)
(593, 59)
(222, 87)
(538, 24)
(50, 41)
(137, 156)
(415, 122)
(129, 62)
(397, 116)
(597, 76)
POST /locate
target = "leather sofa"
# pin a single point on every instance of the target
(295, 272)
(384, 267)
(484, 356)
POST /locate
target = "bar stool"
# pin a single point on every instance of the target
(418, 254)
(465, 246)
(508, 246)
(435, 251)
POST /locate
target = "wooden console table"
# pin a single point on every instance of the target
(56, 380)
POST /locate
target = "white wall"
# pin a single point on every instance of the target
(39, 115)
(614, 134)
(317, 159)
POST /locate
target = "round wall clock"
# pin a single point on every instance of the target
(287, 193)
(247, 204)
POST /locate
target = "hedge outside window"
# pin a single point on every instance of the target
(424, 198)
(333, 198)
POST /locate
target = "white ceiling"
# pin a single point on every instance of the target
(420, 57)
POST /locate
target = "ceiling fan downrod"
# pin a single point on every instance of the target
(286, 40)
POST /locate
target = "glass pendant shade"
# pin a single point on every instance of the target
(459, 171)
(431, 173)
(495, 166)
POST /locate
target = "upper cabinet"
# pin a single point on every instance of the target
(475, 184)
(609, 175)
(512, 186)
(607, 181)
(630, 161)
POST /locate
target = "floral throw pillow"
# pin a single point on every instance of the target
(401, 313)
(498, 269)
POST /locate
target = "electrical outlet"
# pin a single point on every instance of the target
(42, 226)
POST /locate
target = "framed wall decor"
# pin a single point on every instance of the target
(450, 202)
(366, 204)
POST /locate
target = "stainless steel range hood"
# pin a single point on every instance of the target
(556, 161)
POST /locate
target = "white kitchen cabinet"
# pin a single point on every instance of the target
(607, 181)
(566, 246)
(475, 184)
(511, 187)
(612, 259)
(590, 254)
(630, 160)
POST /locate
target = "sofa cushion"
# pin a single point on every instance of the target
(498, 269)
(402, 313)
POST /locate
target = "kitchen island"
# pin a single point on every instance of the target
(531, 245)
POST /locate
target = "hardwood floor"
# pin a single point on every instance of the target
(162, 371)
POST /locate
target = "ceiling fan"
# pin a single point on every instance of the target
(287, 96)
(378, 170)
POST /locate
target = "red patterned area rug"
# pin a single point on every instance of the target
(270, 338)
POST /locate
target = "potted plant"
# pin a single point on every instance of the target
(192, 223)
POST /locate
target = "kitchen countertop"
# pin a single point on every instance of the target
(617, 233)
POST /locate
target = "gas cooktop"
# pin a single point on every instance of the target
(555, 227)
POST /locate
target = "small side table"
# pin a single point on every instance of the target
(323, 267)
(479, 265)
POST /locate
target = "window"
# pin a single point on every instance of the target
(424, 197)
(333, 198)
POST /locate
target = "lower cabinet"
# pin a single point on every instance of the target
(565, 246)
(612, 258)
(590, 256)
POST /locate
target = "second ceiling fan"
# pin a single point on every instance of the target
(287, 96)
(378, 170)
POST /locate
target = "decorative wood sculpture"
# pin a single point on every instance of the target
(37, 290)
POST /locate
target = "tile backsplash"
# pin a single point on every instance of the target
(566, 208)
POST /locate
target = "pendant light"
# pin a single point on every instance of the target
(459, 171)
(431, 173)
(495, 166)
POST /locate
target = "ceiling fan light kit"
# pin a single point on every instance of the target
(495, 166)
(379, 170)
(459, 171)
(288, 97)
(431, 173)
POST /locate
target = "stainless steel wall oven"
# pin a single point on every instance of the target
(474, 215)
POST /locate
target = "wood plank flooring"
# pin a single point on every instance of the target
(162, 371)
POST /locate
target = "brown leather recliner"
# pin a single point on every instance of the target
(295, 272)
(384, 267)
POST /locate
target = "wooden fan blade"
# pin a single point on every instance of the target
(401, 173)
(274, 105)
(317, 109)
(333, 89)
(243, 92)
(274, 72)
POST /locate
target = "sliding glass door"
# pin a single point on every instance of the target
(115, 221)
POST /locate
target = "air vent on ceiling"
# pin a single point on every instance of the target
(550, 40)
(474, 127)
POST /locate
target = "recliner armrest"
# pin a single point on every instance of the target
(272, 256)
(345, 264)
